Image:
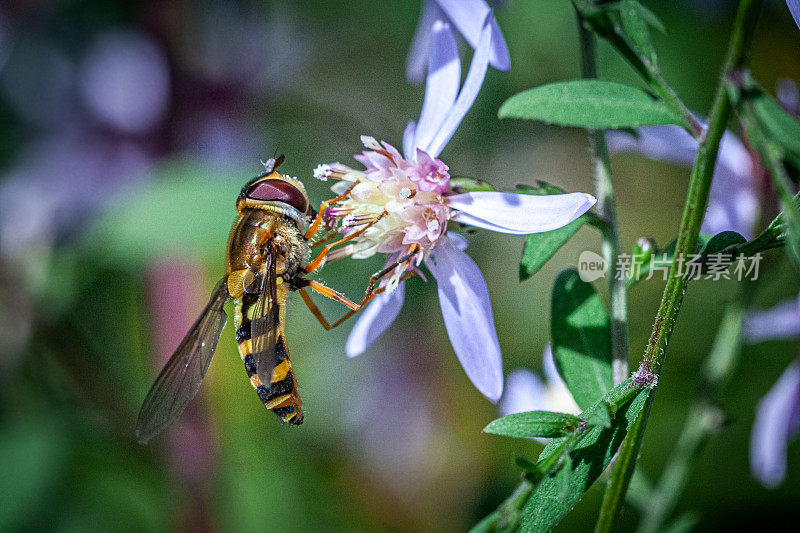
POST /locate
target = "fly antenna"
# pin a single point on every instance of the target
(271, 164)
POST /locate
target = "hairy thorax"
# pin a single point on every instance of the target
(255, 231)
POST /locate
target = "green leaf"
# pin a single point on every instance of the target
(588, 104)
(778, 125)
(462, 185)
(581, 333)
(633, 22)
(651, 18)
(534, 424)
(598, 415)
(540, 247)
(723, 240)
(541, 188)
(548, 503)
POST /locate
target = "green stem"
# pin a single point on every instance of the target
(704, 419)
(607, 209)
(646, 68)
(694, 210)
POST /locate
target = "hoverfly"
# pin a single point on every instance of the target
(267, 256)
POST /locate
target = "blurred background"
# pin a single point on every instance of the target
(126, 132)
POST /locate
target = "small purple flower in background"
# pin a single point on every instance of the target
(466, 16)
(778, 414)
(410, 197)
(733, 202)
(525, 391)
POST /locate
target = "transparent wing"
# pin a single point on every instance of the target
(180, 379)
(266, 323)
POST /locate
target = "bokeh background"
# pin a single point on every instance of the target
(126, 132)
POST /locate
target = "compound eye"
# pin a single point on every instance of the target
(277, 190)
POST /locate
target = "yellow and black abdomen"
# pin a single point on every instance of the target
(280, 395)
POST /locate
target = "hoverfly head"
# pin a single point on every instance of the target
(271, 187)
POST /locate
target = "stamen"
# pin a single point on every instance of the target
(371, 143)
(406, 192)
(323, 172)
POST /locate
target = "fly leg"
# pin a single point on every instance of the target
(317, 261)
(370, 292)
(312, 229)
(337, 296)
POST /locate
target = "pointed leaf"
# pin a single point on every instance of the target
(598, 415)
(588, 104)
(581, 333)
(634, 24)
(778, 125)
(548, 503)
(540, 247)
(534, 424)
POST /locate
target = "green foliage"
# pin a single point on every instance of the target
(462, 185)
(540, 247)
(588, 104)
(555, 495)
(776, 123)
(723, 241)
(534, 424)
(581, 334)
(568, 465)
(634, 22)
(182, 211)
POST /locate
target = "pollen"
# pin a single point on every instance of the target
(323, 172)
(405, 192)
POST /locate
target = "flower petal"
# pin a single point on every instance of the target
(524, 392)
(672, 144)
(467, 313)
(772, 428)
(794, 9)
(417, 60)
(467, 16)
(410, 138)
(732, 201)
(441, 88)
(459, 240)
(780, 322)
(472, 85)
(519, 213)
(374, 320)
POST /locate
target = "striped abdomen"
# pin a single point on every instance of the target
(280, 395)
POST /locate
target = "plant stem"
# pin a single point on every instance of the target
(608, 212)
(694, 210)
(704, 419)
(646, 68)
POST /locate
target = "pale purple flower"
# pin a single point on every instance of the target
(411, 195)
(777, 422)
(794, 9)
(124, 81)
(778, 414)
(733, 202)
(525, 391)
(466, 16)
(780, 322)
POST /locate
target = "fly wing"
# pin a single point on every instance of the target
(180, 379)
(266, 323)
